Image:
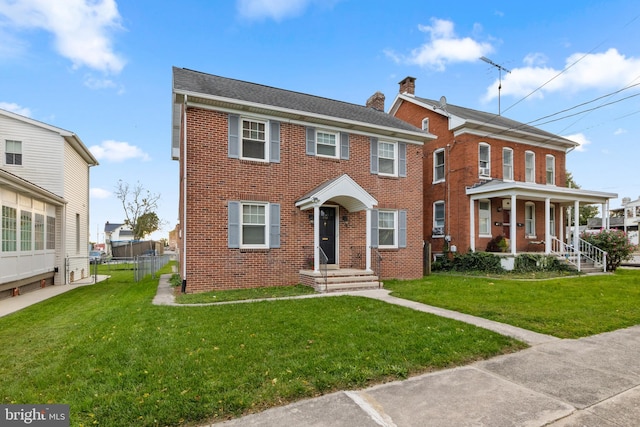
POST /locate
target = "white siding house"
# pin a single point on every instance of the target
(44, 205)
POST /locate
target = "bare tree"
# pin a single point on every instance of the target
(138, 203)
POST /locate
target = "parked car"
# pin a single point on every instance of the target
(96, 257)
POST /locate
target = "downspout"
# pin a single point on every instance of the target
(183, 226)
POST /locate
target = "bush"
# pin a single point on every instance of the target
(477, 261)
(529, 263)
(498, 244)
(615, 243)
(175, 280)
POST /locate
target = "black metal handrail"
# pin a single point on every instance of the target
(324, 260)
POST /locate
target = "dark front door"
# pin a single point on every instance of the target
(328, 233)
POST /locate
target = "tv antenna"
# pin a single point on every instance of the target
(500, 70)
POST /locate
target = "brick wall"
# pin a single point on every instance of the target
(461, 171)
(213, 179)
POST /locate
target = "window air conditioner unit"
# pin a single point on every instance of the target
(485, 172)
(438, 231)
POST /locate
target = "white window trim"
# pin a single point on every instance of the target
(336, 146)
(266, 139)
(444, 162)
(6, 151)
(533, 167)
(488, 167)
(434, 225)
(395, 229)
(266, 225)
(505, 165)
(480, 233)
(395, 158)
(553, 169)
(425, 124)
(532, 220)
(552, 220)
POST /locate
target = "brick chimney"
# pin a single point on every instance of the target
(408, 85)
(376, 101)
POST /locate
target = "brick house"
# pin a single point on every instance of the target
(280, 187)
(486, 175)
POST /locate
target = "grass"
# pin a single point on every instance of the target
(118, 360)
(566, 308)
(245, 294)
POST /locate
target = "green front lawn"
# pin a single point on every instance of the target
(118, 360)
(564, 307)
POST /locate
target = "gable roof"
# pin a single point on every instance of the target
(70, 137)
(467, 120)
(252, 97)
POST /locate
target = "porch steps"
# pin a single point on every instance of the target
(586, 267)
(342, 279)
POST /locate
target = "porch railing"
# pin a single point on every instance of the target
(376, 263)
(575, 255)
(324, 260)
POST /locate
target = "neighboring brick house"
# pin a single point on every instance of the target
(272, 180)
(486, 175)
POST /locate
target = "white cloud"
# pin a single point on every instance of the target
(580, 138)
(444, 47)
(601, 71)
(15, 108)
(273, 9)
(99, 193)
(620, 131)
(82, 29)
(116, 151)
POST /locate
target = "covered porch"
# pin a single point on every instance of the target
(521, 220)
(335, 235)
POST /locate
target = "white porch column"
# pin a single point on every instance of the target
(576, 222)
(368, 241)
(547, 232)
(561, 225)
(472, 225)
(514, 224)
(316, 239)
(605, 214)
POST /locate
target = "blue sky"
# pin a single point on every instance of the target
(102, 69)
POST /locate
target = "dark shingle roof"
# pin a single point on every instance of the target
(491, 119)
(185, 80)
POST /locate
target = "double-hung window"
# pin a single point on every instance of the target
(387, 229)
(254, 139)
(438, 165)
(507, 164)
(552, 220)
(13, 152)
(253, 225)
(26, 230)
(551, 169)
(530, 219)
(529, 166)
(484, 160)
(438, 219)
(327, 144)
(484, 220)
(9, 229)
(387, 158)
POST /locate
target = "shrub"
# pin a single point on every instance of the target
(615, 243)
(498, 244)
(477, 261)
(528, 263)
(175, 280)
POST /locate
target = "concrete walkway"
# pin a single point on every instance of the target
(589, 382)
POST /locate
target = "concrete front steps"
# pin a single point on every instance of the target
(340, 279)
(586, 267)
